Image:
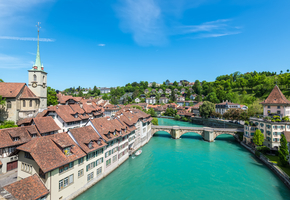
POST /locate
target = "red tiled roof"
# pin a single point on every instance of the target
(24, 121)
(24, 133)
(47, 153)
(276, 97)
(28, 94)
(10, 89)
(106, 128)
(46, 124)
(85, 135)
(30, 188)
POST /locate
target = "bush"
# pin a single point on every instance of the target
(8, 124)
(247, 123)
(177, 117)
(155, 121)
(257, 153)
(184, 119)
(263, 149)
(241, 135)
(267, 118)
(286, 119)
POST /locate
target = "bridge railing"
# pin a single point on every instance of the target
(200, 128)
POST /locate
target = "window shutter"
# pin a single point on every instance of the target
(87, 167)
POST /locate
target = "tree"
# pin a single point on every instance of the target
(152, 112)
(177, 117)
(212, 98)
(8, 124)
(206, 109)
(1, 80)
(153, 85)
(258, 138)
(198, 98)
(155, 121)
(51, 97)
(2, 101)
(283, 151)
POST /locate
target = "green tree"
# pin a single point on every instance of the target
(283, 151)
(152, 112)
(177, 117)
(51, 97)
(206, 109)
(1, 80)
(2, 101)
(155, 121)
(198, 98)
(212, 98)
(258, 138)
(8, 124)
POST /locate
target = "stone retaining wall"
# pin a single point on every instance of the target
(214, 123)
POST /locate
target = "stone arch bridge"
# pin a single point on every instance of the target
(208, 134)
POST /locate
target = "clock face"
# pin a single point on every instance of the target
(34, 85)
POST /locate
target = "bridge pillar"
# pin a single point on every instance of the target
(208, 135)
(176, 132)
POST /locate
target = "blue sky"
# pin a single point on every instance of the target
(110, 43)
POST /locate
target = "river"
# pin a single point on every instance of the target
(190, 168)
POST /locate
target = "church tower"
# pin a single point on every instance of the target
(37, 79)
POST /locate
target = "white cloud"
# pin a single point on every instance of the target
(101, 45)
(26, 39)
(143, 19)
(218, 34)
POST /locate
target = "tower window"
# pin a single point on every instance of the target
(34, 77)
(9, 104)
(44, 79)
(30, 103)
(24, 103)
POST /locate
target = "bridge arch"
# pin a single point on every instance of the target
(216, 134)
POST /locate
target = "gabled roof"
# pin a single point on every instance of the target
(24, 133)
(30, 188)
(84, 136)
(46, 124)
(10, 90)
(47, 153)
(276, 97)
(25, 121)
(106, 128)
(28, 94)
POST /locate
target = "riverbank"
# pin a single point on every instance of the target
(280, 173)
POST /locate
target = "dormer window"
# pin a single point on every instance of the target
(99, 142)
(33, 135)
(90, 145)
(126, 130)
(121, 132)
(67, 151)
(76, 115)
(114, 133)
(16, 139)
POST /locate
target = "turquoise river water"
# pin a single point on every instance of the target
(189, 168)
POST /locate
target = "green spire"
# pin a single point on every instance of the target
(37, 60)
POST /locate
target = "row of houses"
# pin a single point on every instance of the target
(61, 165)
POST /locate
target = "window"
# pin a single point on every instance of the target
(108, 162)
(114, 158)
(99, 161)
(66, 151)
(269, 111)
(268, 106)
(91, 166)
(66, 167)
(27, 155)
(34, 78)
(90, 176)
(99, 171)
(81, 161)
(278, 112)
(30, 103)
(24, 103)
(9, 104)
(16, 139)
(66, 182)
(90, 145)
(278, 107)
(80, 173)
